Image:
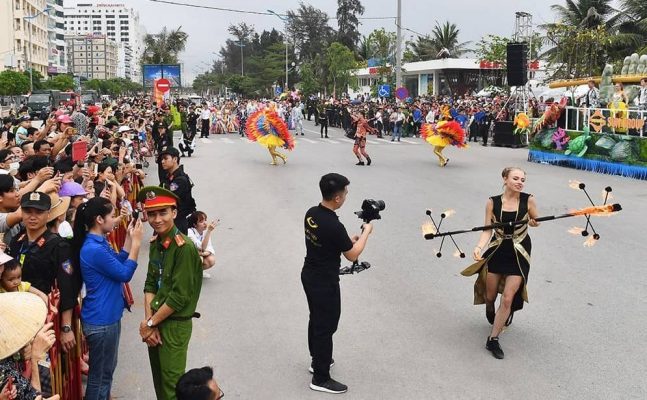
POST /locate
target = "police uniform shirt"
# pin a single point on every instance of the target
(326, 238)
(46, 260)
(180, 184)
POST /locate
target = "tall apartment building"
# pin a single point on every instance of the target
(92, 56)
(118, 23)
(56, 58)
(24, 41)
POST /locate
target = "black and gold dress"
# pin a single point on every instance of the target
(508, 252)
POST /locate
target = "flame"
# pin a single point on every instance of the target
(428, 228)
(457, 254)
(449, 213)
(574, 184)
(595, 210)
(576, 230)
(590, 241)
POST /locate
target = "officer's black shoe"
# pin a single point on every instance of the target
(327, 137)
(360, 163)
(312, 369)
(368, 160)
(330, 386)
(492, 344)
(490, 314)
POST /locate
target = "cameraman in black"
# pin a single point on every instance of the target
(326, 239)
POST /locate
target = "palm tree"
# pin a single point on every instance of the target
(635, 21)
(164, 47)
(423, 48)
(365, 48)
(586, 13)
(445, 41)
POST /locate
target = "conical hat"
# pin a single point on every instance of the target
(21, 317)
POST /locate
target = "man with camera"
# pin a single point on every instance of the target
(326, 239)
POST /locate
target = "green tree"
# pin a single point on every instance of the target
(348, 22)
(585, 13)
(383, 45)
(37, 79)
(309, 82)
(60, 82)
(340, 61)
(13, 83)
(308, 28)
(164, 47)
(492, 48)
(445, 40)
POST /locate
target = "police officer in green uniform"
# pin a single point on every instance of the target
(171, 291)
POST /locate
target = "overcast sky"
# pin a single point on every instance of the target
(207, 29)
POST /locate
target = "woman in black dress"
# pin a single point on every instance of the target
(503, 255)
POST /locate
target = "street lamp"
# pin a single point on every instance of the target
(31, 64)
(285, 20)
(242, 69)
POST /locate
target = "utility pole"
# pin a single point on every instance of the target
(398, 47)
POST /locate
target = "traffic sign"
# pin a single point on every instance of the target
(401, 93)
(163, 85)
(384, 91)
(278, 90)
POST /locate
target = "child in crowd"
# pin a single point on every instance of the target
(11, 278)
(200, 234)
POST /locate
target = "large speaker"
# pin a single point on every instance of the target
(517, 63)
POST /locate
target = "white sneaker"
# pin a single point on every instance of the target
(206, 275)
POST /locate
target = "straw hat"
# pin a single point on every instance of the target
(22, 315)
(59, 206)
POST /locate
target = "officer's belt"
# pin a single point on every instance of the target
(195, 315)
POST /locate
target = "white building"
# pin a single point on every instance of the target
(56, 57)
(24, 41)
(115, 20)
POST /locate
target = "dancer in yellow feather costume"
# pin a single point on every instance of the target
(441, 135)
(269, 130)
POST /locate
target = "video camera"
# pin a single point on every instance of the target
(370, 211)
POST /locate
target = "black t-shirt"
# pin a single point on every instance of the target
(326, 239)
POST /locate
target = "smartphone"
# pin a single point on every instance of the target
(4, 135)
(96, 169)
(135, 215)
(139, 166)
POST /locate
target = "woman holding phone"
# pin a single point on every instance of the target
(104, 272)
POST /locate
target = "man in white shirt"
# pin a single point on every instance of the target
(205, 118)
(642, 99)
(297, 118)
(592, 96)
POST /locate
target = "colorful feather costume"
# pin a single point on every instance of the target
(269, 130)
(442, 135)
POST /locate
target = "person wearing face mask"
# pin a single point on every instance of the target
(502, 255)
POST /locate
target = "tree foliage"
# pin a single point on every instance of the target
(60, 82)
(340, 61)
(442, 42)
(113, 87)
(13, 83)
(308, 29)
(164, 47)
(348, 22)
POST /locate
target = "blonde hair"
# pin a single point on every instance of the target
(506, 171)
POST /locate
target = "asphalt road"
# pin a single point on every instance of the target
(408, 328)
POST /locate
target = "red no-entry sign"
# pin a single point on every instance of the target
(163, 85)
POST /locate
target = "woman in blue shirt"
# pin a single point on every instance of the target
(104, 271)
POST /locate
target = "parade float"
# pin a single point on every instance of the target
(609, 139)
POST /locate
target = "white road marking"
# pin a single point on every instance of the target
(307, 140)
(372, 141)
(329, 141)
(347, 140)
(205, 140)
(410, 141)
(388, 141)
(246, 139)
(226, 140)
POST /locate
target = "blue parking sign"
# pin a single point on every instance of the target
(278, 90)
(384, 91)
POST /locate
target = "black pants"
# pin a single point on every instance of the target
(205, 128)
(484, 130)
(324, 124)
(324, 302)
